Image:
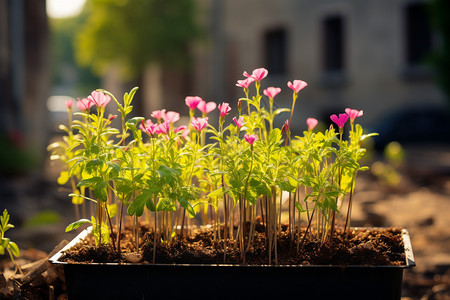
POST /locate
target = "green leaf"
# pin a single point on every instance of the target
(101, 191)
(77, 224)
(165, 204)
(89, 182)
(169, 175)
(14, 249)
(5, 242)
(217, 193)
(133, 122)
(137, 206)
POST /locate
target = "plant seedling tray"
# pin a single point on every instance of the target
(221, 281)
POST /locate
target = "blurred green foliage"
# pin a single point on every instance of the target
(45, 217)
(133, 34)
(64, 65)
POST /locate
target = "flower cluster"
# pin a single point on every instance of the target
(245, 167)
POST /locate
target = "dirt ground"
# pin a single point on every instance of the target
(419, 201)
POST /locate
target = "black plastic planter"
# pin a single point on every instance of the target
(160, 281)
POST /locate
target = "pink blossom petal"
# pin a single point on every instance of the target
(353, 113)
(69, 103)
(239, 122)
(271, 92)
(199, 123)
(205, 107)
(311, 122)
(100, 99)
(297, 86)
(84, 104)
(159, 114)
(171, 117)
(250, 138)
(192, 101)
(340, 121)
(224, 108)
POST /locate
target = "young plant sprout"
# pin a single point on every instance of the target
(156, 171)
(6, 244)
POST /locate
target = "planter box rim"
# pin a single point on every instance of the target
(409, 257)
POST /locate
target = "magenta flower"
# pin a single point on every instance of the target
(245, 83)
(184, 131)
(206, 108)
(159, 114)
(199, 123)
(250, 138)
(149, 127)
(192, 101)
(353, 113)
(297, 86)
(171, 117)
(239, 122)
(340, 121)
(257, 74)
(224, 108)
(100, 99)
(271, 92)
(181, 128)
(311, 122)
(163, 128)
(84, 104)
(69, 103)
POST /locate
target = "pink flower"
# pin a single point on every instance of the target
(271, 92)
(171, 117)
(311, 122)
(340, 121)
(149, 127)
(224, 108)
(84, 104)
(199, 123)
(159, 114)
(250, 138)
(184, 131)
(100, 99)
(297, 86)
(206, 108)
(245, 83)
(69, 103)
(239, 122)
(163, 127)
(192, 101)
(353, 113)
(257, 74)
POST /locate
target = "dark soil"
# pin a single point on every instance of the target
(381, 246)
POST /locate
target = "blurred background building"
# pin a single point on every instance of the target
(390, 58)
(378, 56)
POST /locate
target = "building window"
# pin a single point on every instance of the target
(417, 33)
(276, 51)
(333, 44)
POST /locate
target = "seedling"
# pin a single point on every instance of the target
(6, 244)
(156, 171)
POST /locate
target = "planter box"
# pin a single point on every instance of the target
(159, 281)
